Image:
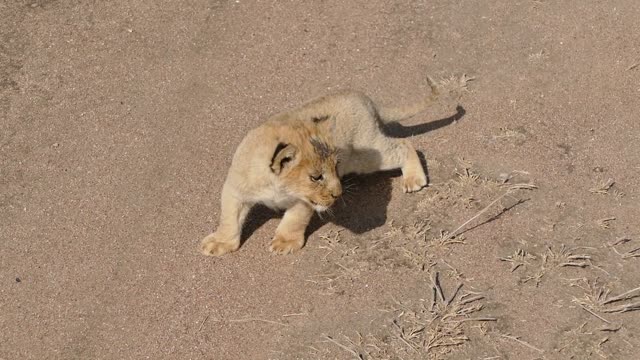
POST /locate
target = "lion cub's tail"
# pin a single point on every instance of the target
(391, 114)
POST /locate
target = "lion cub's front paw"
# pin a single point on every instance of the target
(414, 182)
(212, 245)
(283, 245)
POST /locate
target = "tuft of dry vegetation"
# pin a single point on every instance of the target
(518, 259)
(634, 252)
(546, 262)
(603, 187)
(598, 299)
(605, 223)
(421, 330)
(455, 85)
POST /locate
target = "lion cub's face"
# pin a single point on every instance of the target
(307, 170)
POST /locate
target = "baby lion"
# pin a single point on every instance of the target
(294, 161)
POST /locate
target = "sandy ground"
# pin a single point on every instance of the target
(118, 121)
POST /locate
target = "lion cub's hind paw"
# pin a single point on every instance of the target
(212, 246)
(282, 246)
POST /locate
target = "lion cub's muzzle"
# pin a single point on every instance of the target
(327, 199)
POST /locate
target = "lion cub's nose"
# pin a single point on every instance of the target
(336, 193)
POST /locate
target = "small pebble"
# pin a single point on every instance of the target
(18, 280)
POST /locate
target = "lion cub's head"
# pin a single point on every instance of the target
(305, 162)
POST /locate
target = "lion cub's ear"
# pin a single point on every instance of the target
(282, 156)
(320, 119)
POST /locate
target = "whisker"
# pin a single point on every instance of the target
(346, 198)
(330, 212)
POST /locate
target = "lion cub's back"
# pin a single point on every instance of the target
(351, 115)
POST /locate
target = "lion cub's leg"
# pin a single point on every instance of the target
(401, 154)
(227, 237)
(413, 174)
(290, 233)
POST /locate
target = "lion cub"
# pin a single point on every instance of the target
(294, 162)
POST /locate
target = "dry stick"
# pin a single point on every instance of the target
(619, 241)
(406, 342)
(402, 338)
(611, 328)
(622, 296)
(598, 268)
(435, 298)
(574, 264)
(351, 351)
(624, 308)
(512, 188)
(478, 319)
(455, 293)
(594, 314)
(259, 320)
(631, 253)
(522, 342)
(470, 300)
(202, 323)
(436, 284)
(298, 314)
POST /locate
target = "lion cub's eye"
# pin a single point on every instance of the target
(316, 178)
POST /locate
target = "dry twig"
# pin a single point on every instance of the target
(343, 347)
(514, 338)
(510, 190)
(258, 320)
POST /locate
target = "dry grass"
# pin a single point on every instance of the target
(510, 134)
(547, 262)
(603, 187)
(606, 222)
(455, 85)
(422, 330)
(629, 254)
(582, 343)
(518, 259)
(538, 56)
(598, 299)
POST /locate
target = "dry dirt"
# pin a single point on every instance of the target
(118, 121)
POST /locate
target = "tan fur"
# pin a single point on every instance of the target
(331, 136)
